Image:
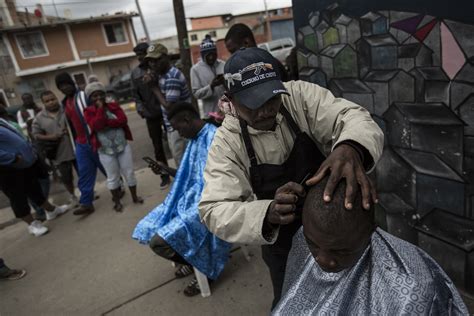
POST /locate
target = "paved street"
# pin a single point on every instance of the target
(91, 266)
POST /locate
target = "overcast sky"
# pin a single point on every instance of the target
(158, 14)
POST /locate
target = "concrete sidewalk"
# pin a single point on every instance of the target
(91, 266)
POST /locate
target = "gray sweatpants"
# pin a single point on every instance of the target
(177, 146)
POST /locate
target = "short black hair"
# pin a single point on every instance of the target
(333, 216)
(26, 94)
(238, 32)
(63, 78)
(183, 107)
(45, 93)
(141, 48)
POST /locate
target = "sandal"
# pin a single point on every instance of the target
(192, 289)
(184, 271)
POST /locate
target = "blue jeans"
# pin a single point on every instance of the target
(87, 163)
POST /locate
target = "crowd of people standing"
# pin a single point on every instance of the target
(270, 162)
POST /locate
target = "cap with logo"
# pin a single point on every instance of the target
(252, 77)
(156, 51)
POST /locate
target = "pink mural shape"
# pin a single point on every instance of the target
(452, 56)
(408, 25)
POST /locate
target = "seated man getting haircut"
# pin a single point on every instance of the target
(341, 264)
(173, 229)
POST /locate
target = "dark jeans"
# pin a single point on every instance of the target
(19, 185)
(276, 263)
(45, 186)
(156, 134)
(163, 249)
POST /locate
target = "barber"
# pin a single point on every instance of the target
(284, 135)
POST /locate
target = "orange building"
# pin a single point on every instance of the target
(218, 25)
(34, 48)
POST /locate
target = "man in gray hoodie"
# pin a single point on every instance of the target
(207, 77)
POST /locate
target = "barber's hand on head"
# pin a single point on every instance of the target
(282, 210)
(345, 162)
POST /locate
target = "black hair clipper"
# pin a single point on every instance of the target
(300, 203)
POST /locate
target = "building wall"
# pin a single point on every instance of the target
(91, 37)
(447, 31)
(206, 23)
(282, 29)
(201, 34)
(86, 37)
(104, 70)
(57, 46)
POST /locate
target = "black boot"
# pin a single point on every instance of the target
(116, 198)
(136, 199)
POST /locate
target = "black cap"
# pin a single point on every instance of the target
(141, 48)
(252, 77)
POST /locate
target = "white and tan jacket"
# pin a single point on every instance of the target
(228, 206)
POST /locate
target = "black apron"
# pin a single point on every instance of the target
(304, 159)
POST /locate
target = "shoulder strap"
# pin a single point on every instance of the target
(290, 120)
(248, 143)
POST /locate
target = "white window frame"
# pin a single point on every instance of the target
(4, 95)
(42, 40)
(127, 40)
(194, 40)
(32, 91)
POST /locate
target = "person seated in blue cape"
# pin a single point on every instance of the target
(173, 229)
(341, 264)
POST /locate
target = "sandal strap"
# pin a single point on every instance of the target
(185, 270)
(194, 283)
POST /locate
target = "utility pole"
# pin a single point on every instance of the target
(148, 39)
(55, 9)
(267, 22)
(184, 50)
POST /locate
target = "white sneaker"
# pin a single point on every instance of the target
(37, 229)
(59, 210)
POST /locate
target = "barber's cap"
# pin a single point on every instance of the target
(156, 51)
(252, 77)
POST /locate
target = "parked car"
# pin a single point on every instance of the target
(120, 89)
(280, 48)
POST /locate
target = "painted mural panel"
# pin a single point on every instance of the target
(411, 64)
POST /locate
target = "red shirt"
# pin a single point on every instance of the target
(81, 136)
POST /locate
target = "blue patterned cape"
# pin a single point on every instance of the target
(392, 277)
(177, 219)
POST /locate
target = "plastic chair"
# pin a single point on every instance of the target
(202, 278)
